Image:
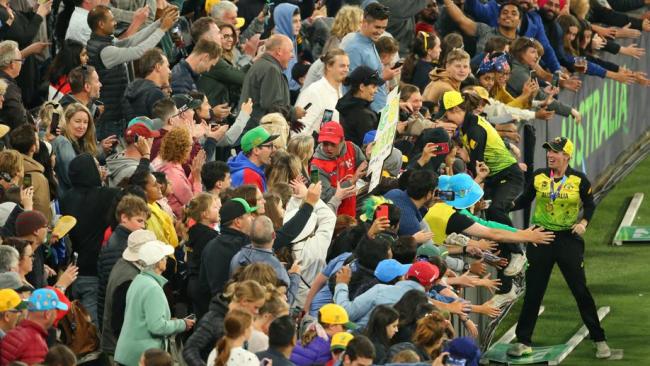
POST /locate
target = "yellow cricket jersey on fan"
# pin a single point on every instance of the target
(483, 143)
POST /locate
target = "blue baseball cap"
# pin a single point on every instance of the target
(389, 269)
(369, 137)
(467, 192)
(45, 299)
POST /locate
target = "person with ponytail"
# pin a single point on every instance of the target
(230, 351)
(422, 60)
(247, 295)
(201, 216)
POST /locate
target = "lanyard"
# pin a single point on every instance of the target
(553, 193)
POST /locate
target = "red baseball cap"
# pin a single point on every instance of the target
(424, 272)
(139, 129)
(331, 132)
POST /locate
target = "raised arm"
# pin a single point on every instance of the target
(467, 25)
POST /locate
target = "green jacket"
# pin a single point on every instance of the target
(147, 320)
(222, 83)
(486, 223)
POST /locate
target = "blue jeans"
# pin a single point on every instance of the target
(85, 290)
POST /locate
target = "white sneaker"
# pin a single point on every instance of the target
(516, 265)
(602, 350)
(499, 300)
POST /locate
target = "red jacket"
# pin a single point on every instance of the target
(338, 169)
(25, 343)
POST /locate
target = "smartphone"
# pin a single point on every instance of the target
(75, 257)
(266, 362)
(307, 106)
(382, 211)
(55, 123)
(452, 361)
(27, 181)
(442, 148)
(314, 175)
(191, 317)
(556, 79)
(135, 138)
(446, 195)
(267, 9)
(327, 116)
(533, 75)
(398, 64)
(346, 183)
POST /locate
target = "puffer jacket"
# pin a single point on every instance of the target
(183, 78)
(108, 256)
(316, 352)
(206, 333)
(90, 203)
(441, 82)
(25, 343)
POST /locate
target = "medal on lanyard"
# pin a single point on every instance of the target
(553, 194)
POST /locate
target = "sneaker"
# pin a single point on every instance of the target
(516, 265)
(519, 350)
(602, 350)
(499, 300)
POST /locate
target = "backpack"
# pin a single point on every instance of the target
(78, 331)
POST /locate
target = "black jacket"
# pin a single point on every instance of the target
(356, 117)
(13, 112)
(198, 237)
(206, 333)
(183, 78)
(215, 261)
(139, 98)
(109, 255)
(90, 203)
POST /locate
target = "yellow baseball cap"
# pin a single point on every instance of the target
(481, 92)
(340, 341)
(10, 300)
(452, 99)
(335, 314)
(560, 144)
(239, 22)
(4, 129)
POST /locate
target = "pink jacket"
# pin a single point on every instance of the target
(183, 189)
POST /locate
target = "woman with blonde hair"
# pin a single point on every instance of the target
(77, 137)
(273, 308)
(302, 146)
(230, 351)
(284, 167)
(246, 296)
(175, 150)
(276, 124)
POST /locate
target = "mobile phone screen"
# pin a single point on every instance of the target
(327, 115)
(55, 122)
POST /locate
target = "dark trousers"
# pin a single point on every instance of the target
(567, 250)
(503, 188)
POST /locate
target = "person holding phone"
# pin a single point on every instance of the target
(339, 162)
(324, 93)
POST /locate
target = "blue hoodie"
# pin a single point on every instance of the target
(243, 171)
(283, 19)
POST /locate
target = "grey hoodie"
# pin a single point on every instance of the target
(120, 167)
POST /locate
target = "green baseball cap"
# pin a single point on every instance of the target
(430, 250)
(235, 208)
(256, 137)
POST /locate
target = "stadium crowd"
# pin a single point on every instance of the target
(186, 182)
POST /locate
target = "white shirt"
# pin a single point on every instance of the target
(78, 28)
(238, 357)
(322, 95)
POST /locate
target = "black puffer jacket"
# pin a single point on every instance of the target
(356, 117)
(90, 204)
(206, 334)
(139, 98)
(109, 255)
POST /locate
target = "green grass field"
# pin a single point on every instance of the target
(618, 277)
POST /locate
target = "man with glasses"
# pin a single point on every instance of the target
(173, 112)
(11, 307)
(13, 111)
(33, 227)
(84, 88)
(248, 166)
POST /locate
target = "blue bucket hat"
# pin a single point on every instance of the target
(467, 191)
(389, 269)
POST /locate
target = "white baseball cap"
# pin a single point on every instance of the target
(154, 251)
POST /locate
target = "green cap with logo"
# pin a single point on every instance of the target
(256, 137)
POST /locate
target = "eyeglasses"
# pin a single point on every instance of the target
(228, 36)
(18, 60)
(270, 146)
